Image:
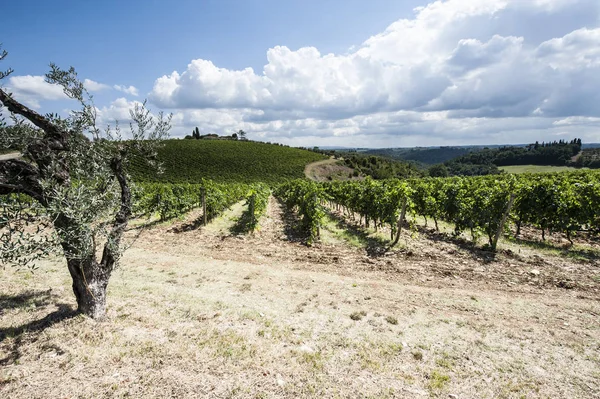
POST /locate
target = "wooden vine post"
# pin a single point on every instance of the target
(251, 209)
(204, 215)
(511, 201)
(318, 204)
(400, 222)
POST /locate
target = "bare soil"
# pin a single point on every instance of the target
(202, 312)
(328, 170)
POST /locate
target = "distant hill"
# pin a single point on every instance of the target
(380, 167)
(226, 161)
(426, 155)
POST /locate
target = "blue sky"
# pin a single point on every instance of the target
(357, 73)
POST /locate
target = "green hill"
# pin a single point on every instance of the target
(429, 156)
(226, 161)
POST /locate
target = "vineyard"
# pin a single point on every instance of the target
(565, 203)
(481, 206)
(244, 301)
(190, 161)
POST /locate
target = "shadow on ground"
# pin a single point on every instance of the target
(375, 246)
(589, 254)
(481, 254)
(25, 299)
(193, 225)
(292, 226)
(32, 328)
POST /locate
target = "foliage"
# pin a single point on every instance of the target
(381, 168)
(306, 197)
(562, 202)
(439, 170)
(379, 201)
(553, 153)
(429, 156)
(256, 200)
(460, 168)
(590, 158)
(189, 161)
(173, 200)
(70, 191)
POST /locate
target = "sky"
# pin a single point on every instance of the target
(353, 73)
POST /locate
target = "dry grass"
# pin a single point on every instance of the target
(186, 321)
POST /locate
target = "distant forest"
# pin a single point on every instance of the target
(486, 161)
(467, 161)
(428, 156)
(379, 167)
(590, 158)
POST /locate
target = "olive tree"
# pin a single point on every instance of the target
(69, 190)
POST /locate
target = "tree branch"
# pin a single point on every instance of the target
(38, 120)
(17, 176)
(111, 248)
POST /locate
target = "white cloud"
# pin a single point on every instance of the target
(577, 120)
(461, 59)
(458, 71)
(127, 89)
(32, 89)
(117, 110)
(92, 86)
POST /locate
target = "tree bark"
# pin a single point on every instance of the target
(89, 286)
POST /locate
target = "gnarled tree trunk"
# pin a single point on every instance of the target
(90, 282)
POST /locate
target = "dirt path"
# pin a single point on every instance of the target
(181, 324)
(328, 169)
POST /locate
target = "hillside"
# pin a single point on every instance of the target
(380, 167)
(429, 156)
(226, 161)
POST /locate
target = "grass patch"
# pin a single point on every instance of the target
(358, 315)
(438, 380)
(314, 360)
(575, 252)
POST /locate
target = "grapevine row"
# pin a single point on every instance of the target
(306, 197)
(256, 200)
(173, 200)
(561, 202)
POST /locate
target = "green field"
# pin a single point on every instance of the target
(226, 161)
(536, 169)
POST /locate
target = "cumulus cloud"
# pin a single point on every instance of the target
(117, 110)
(456, 72)
(127, 89)
(32, 89)
(464, 61)
(92, 86)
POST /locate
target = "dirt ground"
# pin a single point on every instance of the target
(330, 169)
(201, 312)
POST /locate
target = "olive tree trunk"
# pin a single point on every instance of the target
(89, 286)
